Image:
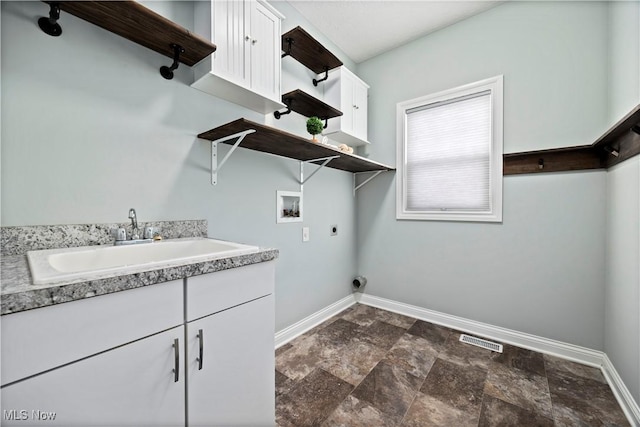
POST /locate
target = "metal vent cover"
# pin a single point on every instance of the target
(479, 342)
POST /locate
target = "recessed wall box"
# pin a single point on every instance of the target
(288, 206)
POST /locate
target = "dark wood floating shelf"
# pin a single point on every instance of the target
(308, 51)
(307, 105)
(141, 25)
(275, 141)
(619, 143)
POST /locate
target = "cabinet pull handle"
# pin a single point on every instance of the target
(176, 354)
(247, 38)
(201, 350)
(254, 41)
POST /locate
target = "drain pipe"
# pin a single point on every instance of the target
(359, 282)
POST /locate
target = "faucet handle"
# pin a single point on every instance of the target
(119, 234)
(150, 232)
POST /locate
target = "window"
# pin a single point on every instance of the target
(450, 154)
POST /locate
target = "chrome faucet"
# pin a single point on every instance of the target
(134, 224)
(150, 232)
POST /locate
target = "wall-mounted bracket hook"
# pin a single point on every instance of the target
(289, 41)
(50, 25)
(326, 122)
(167, 72)
(326, 76)
(611, 150)
(278, 114)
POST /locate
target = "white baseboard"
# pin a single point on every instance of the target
(567, 351)
(622, 393)
(532, 342)
(290, 332)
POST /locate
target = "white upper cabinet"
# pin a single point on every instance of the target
(346, 92)
(245, 68)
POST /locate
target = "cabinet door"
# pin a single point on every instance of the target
(235, 384)
(265, 51)
(231, 19)
(129, 385)
(348, 104)
(360, 100)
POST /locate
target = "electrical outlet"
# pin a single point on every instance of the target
(333, 230)
(305, 234)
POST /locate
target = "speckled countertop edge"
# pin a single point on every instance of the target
(19, 294)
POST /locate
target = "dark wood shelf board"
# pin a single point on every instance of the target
(270, 140)
(141, 25)
(307, 105)
(598, 155)
(555, 160)
(308, 51)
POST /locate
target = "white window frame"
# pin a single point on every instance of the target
(494, 85)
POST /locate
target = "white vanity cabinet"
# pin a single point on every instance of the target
(230, 342)
(196, 351)
(349, 94)
(109, 360)
(245, 68)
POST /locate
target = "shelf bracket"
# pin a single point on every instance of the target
(50, 25)
(167, 72)
(326, 76)
(215, 166)
(359, 186)
(289, 41)
(324, 160)
(278, 114)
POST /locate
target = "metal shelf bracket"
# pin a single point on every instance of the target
(324, 160)
(215, 166)
(359, 186)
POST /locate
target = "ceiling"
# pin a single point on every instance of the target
(365, 28)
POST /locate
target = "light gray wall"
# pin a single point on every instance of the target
(90, 129)
(542, 270)
(622, 321)
(624, 58)
(622, 326)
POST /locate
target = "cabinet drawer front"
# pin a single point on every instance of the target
(218, 291)
(37, 340)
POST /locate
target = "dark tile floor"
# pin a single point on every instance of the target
(370, 367)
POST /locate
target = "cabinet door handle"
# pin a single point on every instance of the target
(247, 38)
(254, 41)
(201, 350)
(176, 355)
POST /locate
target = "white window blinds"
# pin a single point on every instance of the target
(448, 155)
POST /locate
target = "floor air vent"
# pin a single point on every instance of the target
(479, 342)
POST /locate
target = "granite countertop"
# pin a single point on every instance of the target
(19, 293)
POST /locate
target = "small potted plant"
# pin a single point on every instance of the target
(314, 127)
